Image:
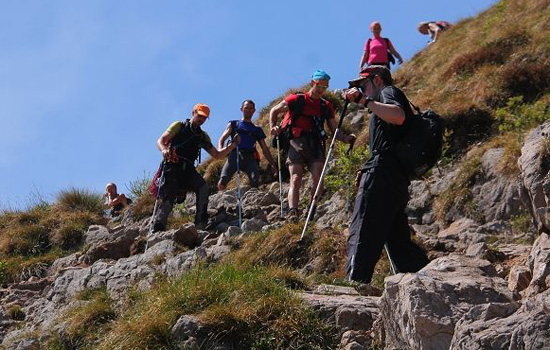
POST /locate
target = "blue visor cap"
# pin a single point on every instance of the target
(320, 75)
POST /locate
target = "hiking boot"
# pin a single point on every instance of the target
(292, 215)
(157, 227)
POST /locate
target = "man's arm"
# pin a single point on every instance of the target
(281, 107)
(223, 152)
(434, 29)
(392, 114)
(163, 143)
(395, 53)
(224, 136)
(267, 153)
(121, 198)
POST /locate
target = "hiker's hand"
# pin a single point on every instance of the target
(358, 178)
(275, 130)
(351, 94)
(170, 155)
(237, 139)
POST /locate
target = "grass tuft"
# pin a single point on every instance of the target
(242, 305)
(75, 199)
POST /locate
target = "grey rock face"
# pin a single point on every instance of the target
(539, 265)
(420, 311)
(494, 326)
(350, 312)
(534, 175)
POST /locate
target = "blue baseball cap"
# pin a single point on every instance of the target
(320, 75)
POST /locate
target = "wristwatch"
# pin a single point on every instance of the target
(367, 100)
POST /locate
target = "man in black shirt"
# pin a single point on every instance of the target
(379, 214)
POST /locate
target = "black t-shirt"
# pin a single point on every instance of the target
(383, 136)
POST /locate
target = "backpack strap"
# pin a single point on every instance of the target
(234, 126)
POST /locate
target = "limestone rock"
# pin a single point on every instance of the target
(539, 264)
(420, 311)
(115, 246)
(253, 225)
(494, 326)
(350, 312)
(533, 176)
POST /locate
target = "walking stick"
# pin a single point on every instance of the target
(392, 264)
(239, 184)
(280, 173)
(157, 200)
(348, 201)
(320, 183)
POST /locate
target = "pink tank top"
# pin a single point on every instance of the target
(377, 50)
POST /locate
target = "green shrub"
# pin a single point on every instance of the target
(139, 186)
(345, 168)
(518, 117)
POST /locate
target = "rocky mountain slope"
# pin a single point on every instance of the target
(482, 216)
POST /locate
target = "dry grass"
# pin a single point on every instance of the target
(246, 306)
(30, 240)
(86, 323)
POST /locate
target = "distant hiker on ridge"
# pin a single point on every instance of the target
(249, 135)
(379, 213)
(180, 145)
(377, 49)
(302, 128)
(433, 28)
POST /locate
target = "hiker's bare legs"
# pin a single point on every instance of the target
(315, 169)
(296, 174)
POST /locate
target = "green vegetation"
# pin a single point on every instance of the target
(518, 117)
(139, 186)
(343, 171)
(522, 223)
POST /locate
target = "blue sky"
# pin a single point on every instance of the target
(86, 88)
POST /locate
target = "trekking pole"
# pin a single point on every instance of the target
(239, 185)
(280, 173)
(348, 201)
(157, 200)
(320, 183)
(392, 264)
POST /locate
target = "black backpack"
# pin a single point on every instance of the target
(421, 146)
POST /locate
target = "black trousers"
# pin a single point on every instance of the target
(379, 218)
(178, 179)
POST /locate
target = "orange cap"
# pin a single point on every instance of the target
(202, 109)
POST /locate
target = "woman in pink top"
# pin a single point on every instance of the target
(376, 49)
